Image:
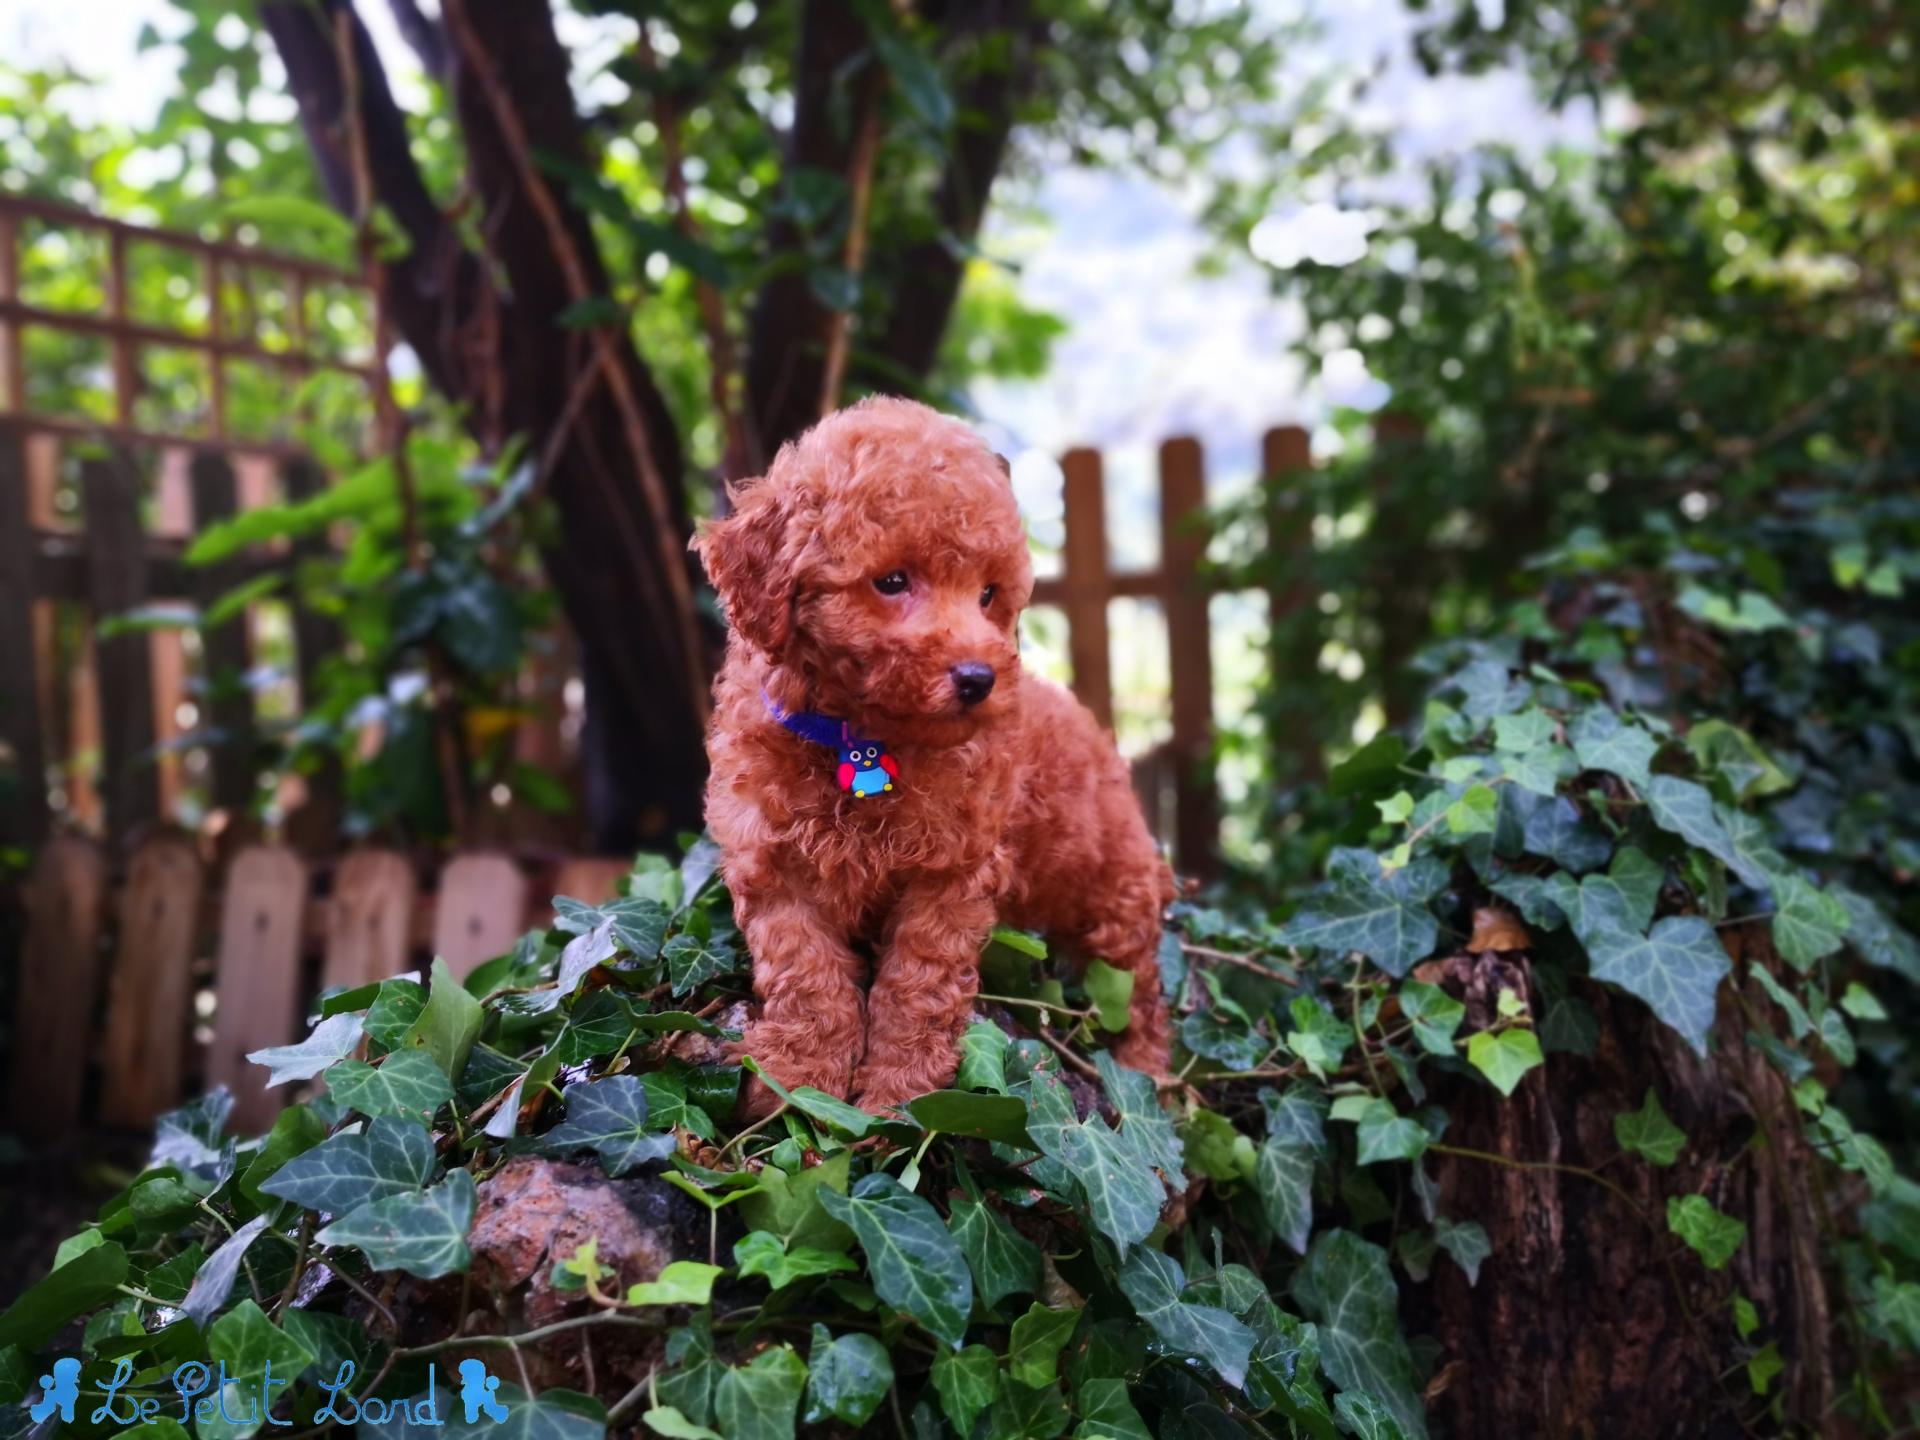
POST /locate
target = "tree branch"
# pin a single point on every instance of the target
(790, 329)
(927, 273)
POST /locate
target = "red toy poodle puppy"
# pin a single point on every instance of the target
(887, 783)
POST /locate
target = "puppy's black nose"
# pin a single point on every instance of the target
(972, 681)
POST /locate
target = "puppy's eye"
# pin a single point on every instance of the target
(986, 595)
(894, 582)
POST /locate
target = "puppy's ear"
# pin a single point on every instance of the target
(745, 555)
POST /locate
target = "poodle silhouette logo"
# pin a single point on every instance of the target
(209, 1393)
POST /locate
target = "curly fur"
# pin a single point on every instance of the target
(1016, 810)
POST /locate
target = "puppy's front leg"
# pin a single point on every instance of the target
(811, 1026)
(929, 972)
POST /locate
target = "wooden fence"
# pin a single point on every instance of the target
(132, 997)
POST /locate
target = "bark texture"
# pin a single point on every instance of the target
(1590, 1317)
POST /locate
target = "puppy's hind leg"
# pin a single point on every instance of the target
(811, 1027)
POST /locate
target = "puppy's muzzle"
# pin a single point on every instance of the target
(972, 682)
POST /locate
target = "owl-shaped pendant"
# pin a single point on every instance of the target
(867, 769)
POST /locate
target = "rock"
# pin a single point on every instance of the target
(533, 1214)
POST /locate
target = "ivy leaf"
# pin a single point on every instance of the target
(580, 957)
(1001, 1118)
(1877, 940)
(449, 1022)
(1504, 1057)
(1621, 899)
(1736, 757)
(1476, 812)
(831, 1111)
(681, 1282)
(1686, 810)
(391, 1156)
(396, 1005)
(692, 961)
(1320, 1038)
(1124, 1196)
(666, 1420)
(963, 1379)
(1648, 1133)
(1807, 924)
(1383, 916)
(89, 1279)
(331, 1039)
(915, 1264)
(1347, 1286)
(1283, 1178)
(609, 1116)
(1487, 688)
(1603, 741)
(688, 1385)
(1466, 1242)
(1153, 1281)
(1385, 1134)
(1708, 1233)
(847, 1377)
(757, 1401)
(1003, 1261)
(1434, 1014)
(983, 1059)
(1107, 1413)
(1297, 1116)
(296, 1130)
(1365, 1418)
(1528, 730)
(1554, 828)
(1676, 969)
(1111, 991)
(214, 1282)
(423, 1232)
(759, 1252)
(1144, 1124)
(1035, 1343)
(245, 1343)
(407, 1082)
(1022, 1412)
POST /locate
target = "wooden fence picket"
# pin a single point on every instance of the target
(58, 986)
(480, 911)
(369, 919)
(150, 989)
(1183, 546)
(257, 976)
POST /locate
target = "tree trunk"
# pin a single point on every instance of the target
(500, 351)
(1590, 1316)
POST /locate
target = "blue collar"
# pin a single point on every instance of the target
(836, 734)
